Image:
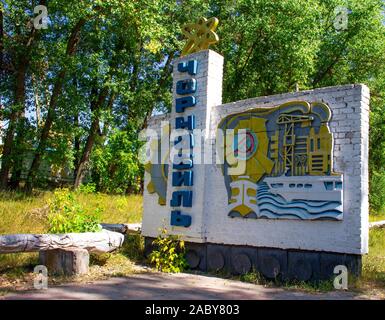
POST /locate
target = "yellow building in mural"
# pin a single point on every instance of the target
(302, 155)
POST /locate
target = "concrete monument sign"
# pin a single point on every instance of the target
(276, 183)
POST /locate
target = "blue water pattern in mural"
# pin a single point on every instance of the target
(275, 206)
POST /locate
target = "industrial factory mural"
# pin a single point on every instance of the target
(288, 172)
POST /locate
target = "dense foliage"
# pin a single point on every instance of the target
(66, 215)
(75, 95)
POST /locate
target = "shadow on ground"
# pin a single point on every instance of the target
(159, 286)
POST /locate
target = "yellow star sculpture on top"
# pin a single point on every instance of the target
(200, 35)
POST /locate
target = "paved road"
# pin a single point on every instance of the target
(160, 286)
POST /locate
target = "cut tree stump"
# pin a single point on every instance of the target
(69, 261)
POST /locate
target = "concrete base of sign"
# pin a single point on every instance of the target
(272, 263)
(65, 261)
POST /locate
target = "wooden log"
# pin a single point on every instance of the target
(121, 228)
(377, 224)
(98, 242)
(124, 228)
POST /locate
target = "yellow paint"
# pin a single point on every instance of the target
(162, 201)
(319, 151)
(291, 141)
(234, 193)
(258, 164)
(151, 187)
(267, 110)
(252, 192)
(200, 35)
(294, 153)
(303, 153)
(243, 210)
(154, 145)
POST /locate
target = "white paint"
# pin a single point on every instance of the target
(316, 192)
(350, 128)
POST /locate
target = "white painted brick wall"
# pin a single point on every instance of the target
(350, 128)
(350, 157)
(208, 95)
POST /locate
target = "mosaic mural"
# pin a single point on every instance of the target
(289, 164)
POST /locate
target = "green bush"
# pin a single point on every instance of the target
(87, 188)
(67, 215)
(377, 193)
(169, 253)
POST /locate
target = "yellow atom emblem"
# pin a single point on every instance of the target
(200, 35)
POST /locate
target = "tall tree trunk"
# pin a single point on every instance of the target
(15, 115)
(18, 151)
(77, 136)
(21, 61)
(71, 49)
(1, 39)
(76, 145)
(96, 107)
(36, 100)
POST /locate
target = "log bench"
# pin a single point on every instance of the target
(66, 254)
(125, 228)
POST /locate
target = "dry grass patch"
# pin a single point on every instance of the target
(28, 214)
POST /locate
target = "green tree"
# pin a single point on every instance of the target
(78, 93)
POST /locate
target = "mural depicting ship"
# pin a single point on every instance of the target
(289, 164)
(318, 188)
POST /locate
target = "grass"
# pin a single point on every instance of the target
(116, 208)
(23, 214)
(121, 263)
(27, 214)
(373, 275)
(377, 217)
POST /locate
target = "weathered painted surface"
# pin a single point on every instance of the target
(349, 126)
(65, 261)
(287, 162)
(331, 127)
(98, 242)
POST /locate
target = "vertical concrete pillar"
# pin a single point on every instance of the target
(206, 92)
